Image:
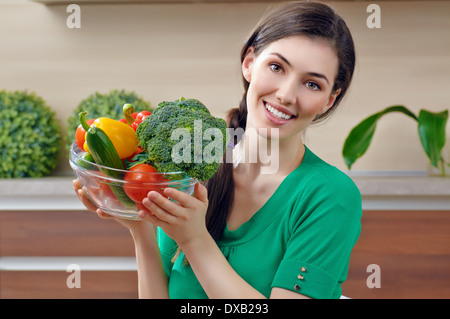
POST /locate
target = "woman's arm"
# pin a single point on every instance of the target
(217, 277)
(152, 281)
(185, 223)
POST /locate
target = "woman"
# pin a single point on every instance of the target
(252, 235)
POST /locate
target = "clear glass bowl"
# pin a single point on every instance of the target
(122, 194)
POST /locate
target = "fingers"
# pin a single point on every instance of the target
(102, 214)
(90, 206)
(201, 193)
(151, 218)
(76, 185)
(176, 208)
(186, 200)
(160, 206)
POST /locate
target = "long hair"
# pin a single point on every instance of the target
(311, 19)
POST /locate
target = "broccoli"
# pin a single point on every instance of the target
(177, 138)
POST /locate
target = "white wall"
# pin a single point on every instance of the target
(164, 51)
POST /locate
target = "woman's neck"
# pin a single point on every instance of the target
(256, 154)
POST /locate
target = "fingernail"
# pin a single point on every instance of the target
(152, 195)
(146, 202)
(168, 191)
(142, 213)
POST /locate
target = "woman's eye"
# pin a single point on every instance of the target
(313, 86)
(276, 68)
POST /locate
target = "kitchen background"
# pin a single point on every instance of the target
(191, 49)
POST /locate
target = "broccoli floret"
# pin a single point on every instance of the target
(178, 137)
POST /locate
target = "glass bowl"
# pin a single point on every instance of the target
(122, 195)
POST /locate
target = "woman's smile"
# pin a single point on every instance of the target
(277, 114)
(290, 83)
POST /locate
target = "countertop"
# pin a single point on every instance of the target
(379, 191)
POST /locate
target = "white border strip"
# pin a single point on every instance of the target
(62, 263)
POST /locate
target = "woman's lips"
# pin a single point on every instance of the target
(277, 115)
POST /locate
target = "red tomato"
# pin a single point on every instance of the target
(142, 115)
(80, 134)
(138, 118)
(135, 124)
(140, 180)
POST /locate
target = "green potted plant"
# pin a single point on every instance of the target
(30, 136)
(103, 105)
(431, 129)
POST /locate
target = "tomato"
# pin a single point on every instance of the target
(140, 180)
(139, 118)
(142, 115)
(80, 135)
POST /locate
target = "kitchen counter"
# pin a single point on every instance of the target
(48, 193)
(385, 191)
(404, 192)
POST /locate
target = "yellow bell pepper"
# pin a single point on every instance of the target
(121, 135)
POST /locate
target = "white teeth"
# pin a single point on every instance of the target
(277, 113)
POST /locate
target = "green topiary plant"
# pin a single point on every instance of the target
(103, 105)
(30, 137)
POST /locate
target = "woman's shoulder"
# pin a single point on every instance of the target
(320, 175)
(327, 194)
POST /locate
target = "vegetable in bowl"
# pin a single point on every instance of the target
(183, 136)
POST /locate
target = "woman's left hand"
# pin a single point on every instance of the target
(183, 220)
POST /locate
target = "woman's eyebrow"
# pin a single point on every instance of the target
(319, 75)
(282, 58)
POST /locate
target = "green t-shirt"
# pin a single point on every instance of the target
(300, 240)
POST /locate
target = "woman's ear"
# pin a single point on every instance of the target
(247, 64)
(330, 102)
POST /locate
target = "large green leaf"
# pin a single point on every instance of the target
(432, 134)
(360, 137)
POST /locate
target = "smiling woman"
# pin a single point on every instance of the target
(250, 234)
(291, 77)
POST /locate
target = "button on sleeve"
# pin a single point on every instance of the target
(305, 279)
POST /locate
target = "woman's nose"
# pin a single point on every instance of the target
(287, 92)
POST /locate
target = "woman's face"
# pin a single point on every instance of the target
(291, 81)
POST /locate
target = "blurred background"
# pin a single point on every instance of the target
(163, 50)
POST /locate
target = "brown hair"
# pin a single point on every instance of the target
(312, 19)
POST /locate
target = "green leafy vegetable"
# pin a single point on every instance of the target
(157, 135)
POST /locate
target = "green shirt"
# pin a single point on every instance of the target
(300, 240)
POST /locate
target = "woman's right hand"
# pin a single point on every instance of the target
(90, 206)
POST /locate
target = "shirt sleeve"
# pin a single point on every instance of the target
(167, 248)
(325, 225)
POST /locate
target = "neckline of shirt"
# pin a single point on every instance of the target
(262, 217)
